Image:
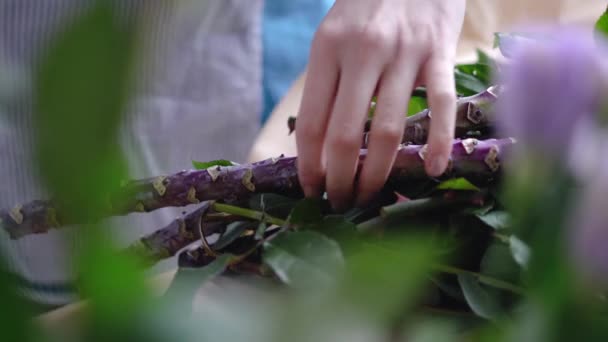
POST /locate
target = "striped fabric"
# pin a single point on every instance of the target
(198, 100)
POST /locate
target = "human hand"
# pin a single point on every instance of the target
(382, 47)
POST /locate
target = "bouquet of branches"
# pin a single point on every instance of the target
(509, 243)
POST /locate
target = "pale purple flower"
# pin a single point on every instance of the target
(550, 85)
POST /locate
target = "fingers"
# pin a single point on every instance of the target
(441, 93)
(345, 128)
(315, 108)
(387, 127)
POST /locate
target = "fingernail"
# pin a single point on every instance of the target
(436, 166)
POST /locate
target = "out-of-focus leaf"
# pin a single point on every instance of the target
(497, 219)
(483, 210)
(113, 283)
(233, 232)
(304, 259)
(307, 211)
(479, 300)
(498, 263)
(416, 105)
(601, 25)
(335, 227)
(520, 251)
(81, 90)
(383, 278)
(14, 312)
(457, 184)
(188, 281)
(205, 165)
(432, 330)
(449, 288)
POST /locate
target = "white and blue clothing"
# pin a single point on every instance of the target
(219, 67)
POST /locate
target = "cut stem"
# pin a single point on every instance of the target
(248, 213)
(478, 161)
(448, 202)
(487, 280)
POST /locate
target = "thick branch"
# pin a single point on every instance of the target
(474, 118)
(473, 159)
(473, 114)
(181, 232)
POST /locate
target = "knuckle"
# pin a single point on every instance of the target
(387, 134)
(373, 37)
(329, 34)
(415, 37)
(345, 142)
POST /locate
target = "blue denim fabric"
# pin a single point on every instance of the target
(288, 28)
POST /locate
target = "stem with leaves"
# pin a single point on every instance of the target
(475, 118)
(475, 160)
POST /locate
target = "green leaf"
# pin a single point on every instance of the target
(205, 165)
(601, 25)
(479, 300)
(457, 184)
(14, 321)
(188, 281)
(304, 259)
(114, 284)
(233, 232)
(307, 211)
(432, 330)
(385, 277)
(482, 70)
(497, 262)
(417, 104)
(82, 86)
(520, 251)
(497, 219)
(81, 90)
(448, 288)
(468, 85)
(484, 58)
(334, 226)
(259, 233)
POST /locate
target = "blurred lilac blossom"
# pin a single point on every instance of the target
(550, 85)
